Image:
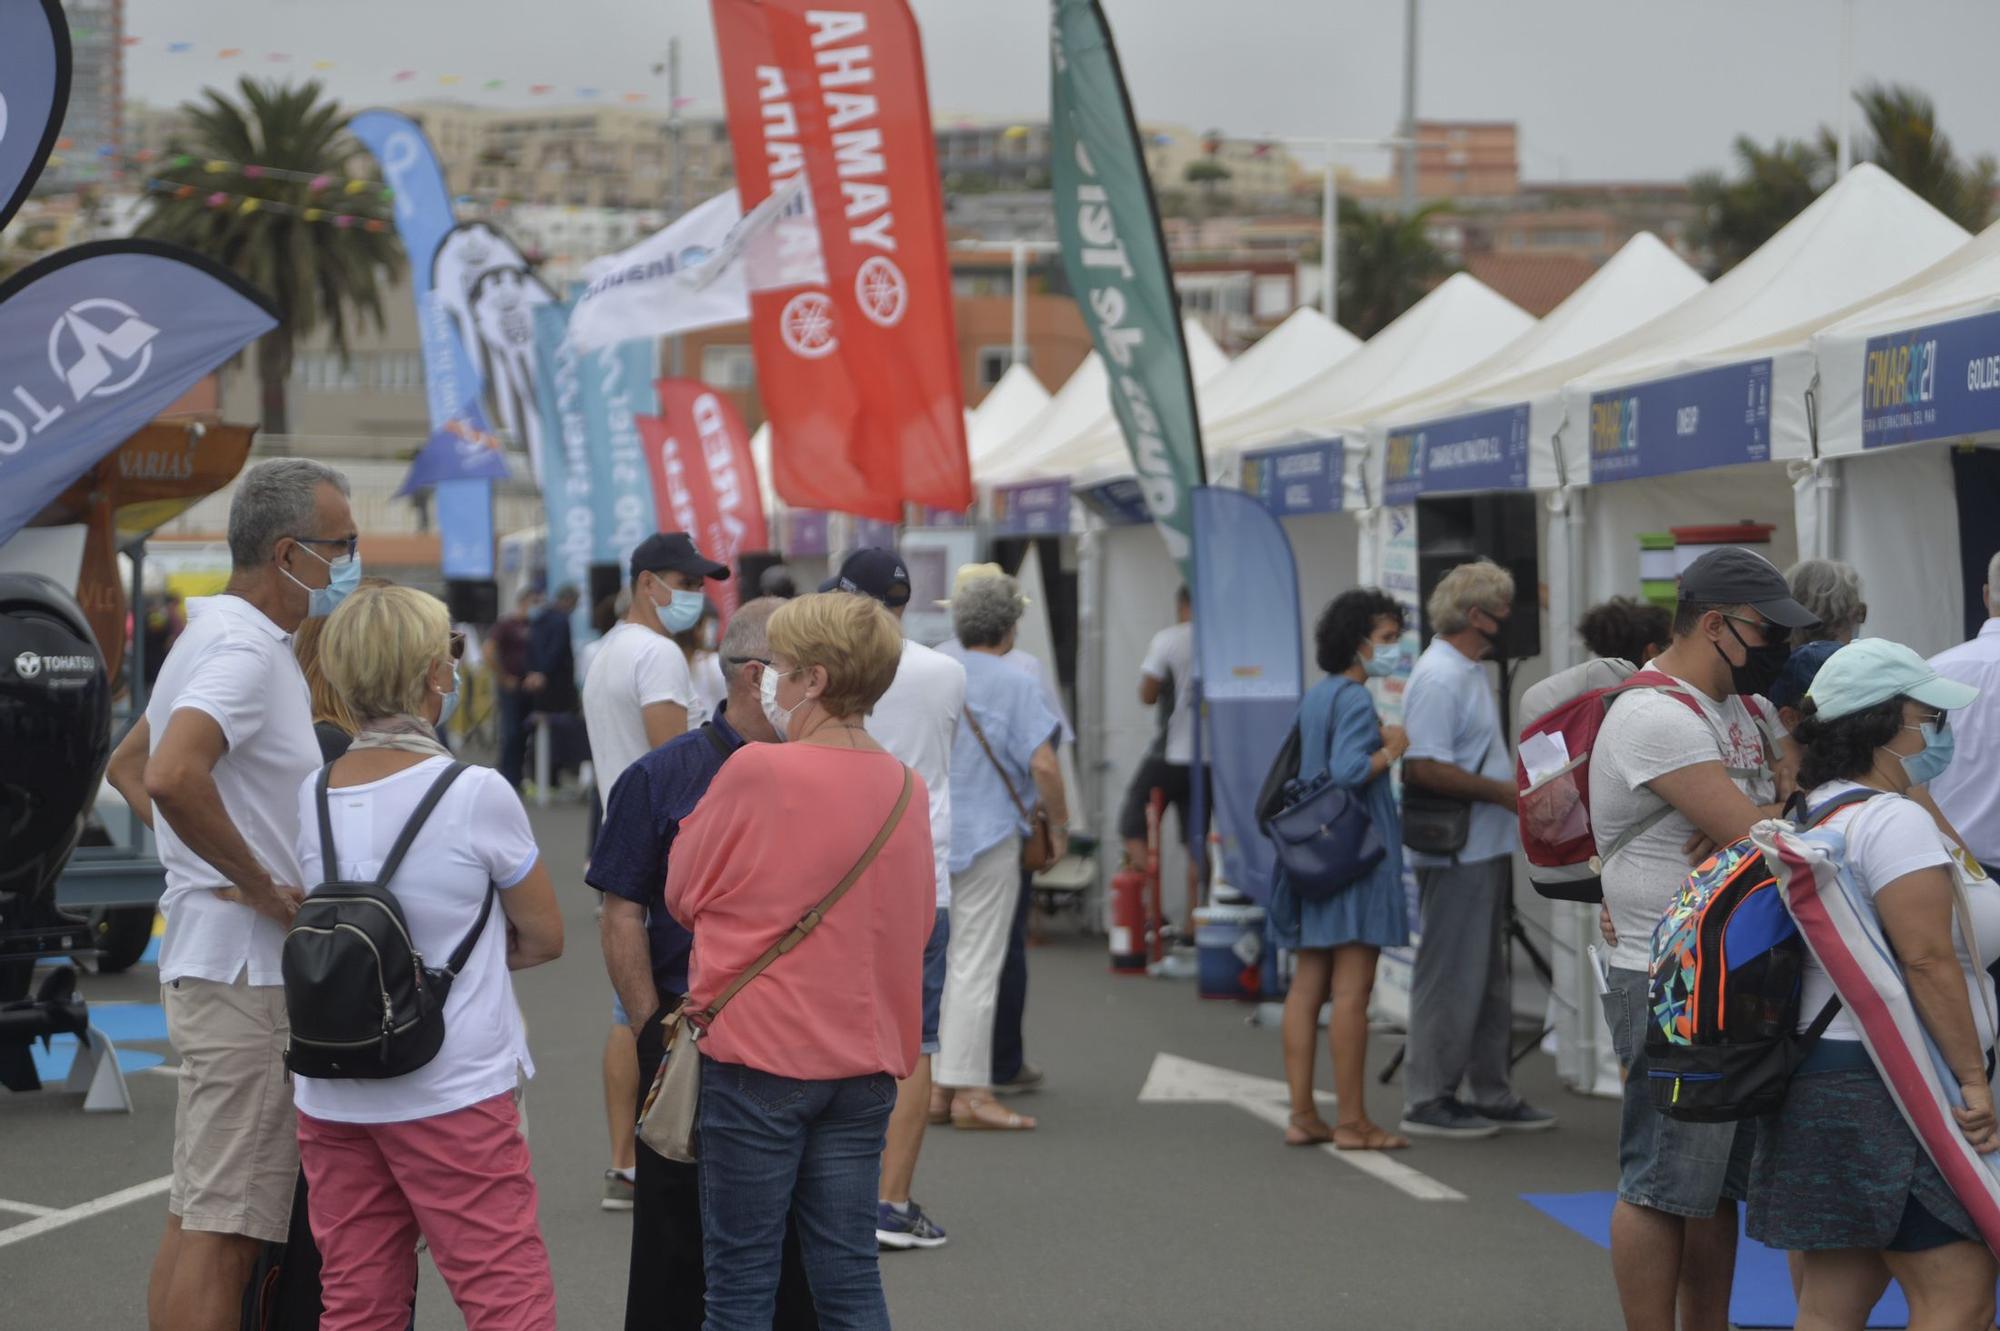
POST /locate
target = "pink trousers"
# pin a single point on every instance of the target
(462, 1179)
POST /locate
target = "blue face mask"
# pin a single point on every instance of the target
(346, 576)
(683, 612)
(450, 704)
(1387, 662)
(1928, 765)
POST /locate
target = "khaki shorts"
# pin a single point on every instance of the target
(236, 1136)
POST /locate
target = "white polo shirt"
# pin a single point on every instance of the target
(1969, 790)
(235, 665)
(633, 668)
(917, 721)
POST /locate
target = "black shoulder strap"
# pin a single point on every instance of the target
(463, 952)
(417, 819)
(715, 738)
(329, 868)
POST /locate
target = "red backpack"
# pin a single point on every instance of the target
(1556, 833)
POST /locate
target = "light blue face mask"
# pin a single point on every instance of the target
(450, 703)
(683, 612)
(1387, 662)
(346, 576)
(1928, 765)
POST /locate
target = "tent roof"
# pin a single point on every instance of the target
(1306, 344)
(1456, 325)
(1962, 283)
(1642, 281)
(1866, 233)
(1070, 432)
(1007, 406)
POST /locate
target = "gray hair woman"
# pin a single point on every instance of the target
(1831, 590)
(1003, 763)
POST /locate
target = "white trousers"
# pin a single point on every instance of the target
(982, 915)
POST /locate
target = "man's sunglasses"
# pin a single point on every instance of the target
(351, 545)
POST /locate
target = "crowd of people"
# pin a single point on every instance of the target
(861, 815)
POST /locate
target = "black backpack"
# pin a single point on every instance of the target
(361, 1001)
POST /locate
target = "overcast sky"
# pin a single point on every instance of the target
(1602, 89)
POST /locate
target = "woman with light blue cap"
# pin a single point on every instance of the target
(1839, 1176)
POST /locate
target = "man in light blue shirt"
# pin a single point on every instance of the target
(1461, 1007)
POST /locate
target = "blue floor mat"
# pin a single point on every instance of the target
(128, 1022)
(1763, 1293)
(52, 1064)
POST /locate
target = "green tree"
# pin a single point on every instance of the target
(1773, 185)
(1909, 145)
(1387, 264)
(320, 275)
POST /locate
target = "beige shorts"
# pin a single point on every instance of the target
(236, 1136)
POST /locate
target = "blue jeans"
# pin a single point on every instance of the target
(773, 1144)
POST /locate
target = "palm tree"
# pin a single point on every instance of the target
(1387, 264)
(320, 275)
(1910, 146)
(1774, 186)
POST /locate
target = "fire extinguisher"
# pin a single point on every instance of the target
(1128, 921)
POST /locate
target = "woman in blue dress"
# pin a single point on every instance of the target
(1338, 940)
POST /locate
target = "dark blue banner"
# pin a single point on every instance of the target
(466, 449)
(34, 92)
(96, 341)
(1249, 658)
(1301, 478)
(1121, 503)
(423, 219)
(1034, 508)
(1710, 418)
(1479, 452)
(1935, 382)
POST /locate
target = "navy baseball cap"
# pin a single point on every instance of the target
(1799, 672)
(874, 572)
(673, 551)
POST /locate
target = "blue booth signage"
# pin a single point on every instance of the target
(1935, 382)
(1300, 478)
(1033, 508)
(1709, 418)
(1480, 451)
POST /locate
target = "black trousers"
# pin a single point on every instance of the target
(667, 1289)
(1008, 1055)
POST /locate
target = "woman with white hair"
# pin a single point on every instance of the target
(1832, 591)
(437, 1151)
(1003, 764)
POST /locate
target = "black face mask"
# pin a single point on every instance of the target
(1497, 640)
(1761, 665)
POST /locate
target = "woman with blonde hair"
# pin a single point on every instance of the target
(805, 846)
(438, 1150)
(333, 724)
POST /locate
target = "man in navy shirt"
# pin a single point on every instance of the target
(647, 955)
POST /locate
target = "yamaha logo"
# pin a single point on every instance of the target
(882, 292)
(93, 340)
(806, 324)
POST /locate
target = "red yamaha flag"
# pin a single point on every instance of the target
(704, 481)
(858, 366)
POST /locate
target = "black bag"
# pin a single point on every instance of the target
(1438, 824)
(360, 999)
(1271, 796)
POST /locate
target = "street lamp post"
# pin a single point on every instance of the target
(1019, 250)
(1329, 237)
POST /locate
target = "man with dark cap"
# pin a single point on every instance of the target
(917, 721)
(1676, 771)
(637, 697)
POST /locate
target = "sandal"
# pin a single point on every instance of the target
(968, 1113)
(1308, 1129)
(1365, 1136)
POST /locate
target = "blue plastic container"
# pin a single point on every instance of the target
(1229, 952)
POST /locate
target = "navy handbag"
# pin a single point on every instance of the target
(1324, 838)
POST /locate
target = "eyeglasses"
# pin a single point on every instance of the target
(350, 544)
(739, 661)
(1763, 626)
(1938, 719)
(457, 646)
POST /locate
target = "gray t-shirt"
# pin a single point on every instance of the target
(1645, 736)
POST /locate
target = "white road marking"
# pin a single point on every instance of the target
(26, 1208)
(1173, 1078)
(55, 1220)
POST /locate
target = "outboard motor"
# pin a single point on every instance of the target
(55, 739)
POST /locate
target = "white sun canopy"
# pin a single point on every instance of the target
(1077, 429)
(1506, 409)
(1007, 406)
(1722, 378)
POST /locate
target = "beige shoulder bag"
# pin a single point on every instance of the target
(667, 1122)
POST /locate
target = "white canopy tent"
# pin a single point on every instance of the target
(1714, 391)
(1901, 382)
(1010, 404)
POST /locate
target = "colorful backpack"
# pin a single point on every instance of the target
(1722, 1040)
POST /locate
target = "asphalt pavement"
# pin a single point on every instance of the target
(1180, 1209)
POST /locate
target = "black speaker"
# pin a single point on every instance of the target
(1500, 527)
(750, 566)
(472, 601)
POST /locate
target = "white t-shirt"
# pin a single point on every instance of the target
(1171, 656)
(634, 667)
(478, 833)
(1645, 736)
(710, 689)
(917, 720)
(1887, 838)
(235, 665)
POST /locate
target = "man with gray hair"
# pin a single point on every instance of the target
(1969, 790)
(1461, 1008)
(229, 727)
(1831, 590)
(647, 951)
